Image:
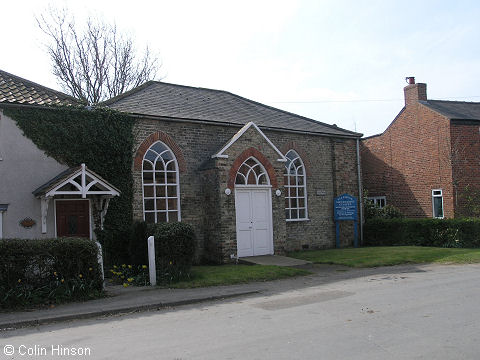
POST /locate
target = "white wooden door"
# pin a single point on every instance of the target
(253, 208)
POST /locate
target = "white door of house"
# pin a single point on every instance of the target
(253, 207)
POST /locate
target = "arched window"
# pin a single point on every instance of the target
(161, 191)
(295, 188)
(251, 172)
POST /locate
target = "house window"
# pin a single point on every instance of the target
(295, 188)
(3, 208)
(161, 190)
(437, 203)
(378, 201)
(251, 172)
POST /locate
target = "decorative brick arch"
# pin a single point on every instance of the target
(244, 156)
(167, 140)
(292, 145)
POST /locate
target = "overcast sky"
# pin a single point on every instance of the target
(339, 62)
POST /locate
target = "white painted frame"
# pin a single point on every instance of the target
(90, 215)
(247, 126)
(433, 203)
(263, 173)
(268, 188)
(177, 179)
(375, 200)
(83, 188)
(296, 186)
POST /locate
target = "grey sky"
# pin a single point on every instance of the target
(341, 62)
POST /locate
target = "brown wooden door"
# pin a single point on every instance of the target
(73, 218)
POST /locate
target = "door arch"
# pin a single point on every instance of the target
(253, 209)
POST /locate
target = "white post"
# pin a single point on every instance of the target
(151, 261)
(100, 261)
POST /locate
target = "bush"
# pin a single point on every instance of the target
(174, 251)
(423, 232)
(137, 246)
(46, 271)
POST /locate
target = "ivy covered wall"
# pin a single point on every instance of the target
(103, 140)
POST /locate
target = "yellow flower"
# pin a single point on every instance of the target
(55, 273)
(62, 281)
(19, 280)
(129, 266)
(90, 269)
(80, 276)
(130, 279)
(123, 277)
(144, 266)
(124, 266)
(114, 266)
(125, 285)
(170, 263)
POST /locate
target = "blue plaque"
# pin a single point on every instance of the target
(345, 207)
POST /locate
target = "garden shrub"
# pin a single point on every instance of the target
(46, 271)
(423, 232)
(137, 246)
(174, 251)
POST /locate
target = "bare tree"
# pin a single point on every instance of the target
(95, 62)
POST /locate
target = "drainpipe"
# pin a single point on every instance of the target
(360, 193)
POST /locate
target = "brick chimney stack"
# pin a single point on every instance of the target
(414, 92)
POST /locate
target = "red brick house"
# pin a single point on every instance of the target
(426, 162)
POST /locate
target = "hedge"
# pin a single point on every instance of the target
(48, 271)
(174, 249)
(423, 232)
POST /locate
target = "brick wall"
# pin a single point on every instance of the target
(331, 171)
(408, 160)
(465, 142)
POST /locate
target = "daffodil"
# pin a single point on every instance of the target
(62, 281)
(55, 273)
(129, 266)
(80, 276)
(19, 280)
(130, 280)
(125, 285)
(90, 269)
(124, 266)
(144, 266)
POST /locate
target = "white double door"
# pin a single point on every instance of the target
(253, 207)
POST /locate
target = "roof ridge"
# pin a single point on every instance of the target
(452, 101)
(36, 86)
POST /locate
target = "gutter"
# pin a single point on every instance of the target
(360, 194)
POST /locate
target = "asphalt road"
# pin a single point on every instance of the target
(413, 312)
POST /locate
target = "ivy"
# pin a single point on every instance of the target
(101, 138)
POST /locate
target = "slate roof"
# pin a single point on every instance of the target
(16, 90)
(161, 99)
(459, 110)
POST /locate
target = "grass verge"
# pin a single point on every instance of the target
(203, 276)
(389, 255)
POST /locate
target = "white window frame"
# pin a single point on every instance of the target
(3, 208)
(258, 171)
(376, 200)
(437, 195)
(166, 198)
(288, 186)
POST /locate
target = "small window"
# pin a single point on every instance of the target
(3, 208)
(437, 203)
(378, 201)
(251, 172)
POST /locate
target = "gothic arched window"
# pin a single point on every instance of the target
(295, 188)
(161, 190)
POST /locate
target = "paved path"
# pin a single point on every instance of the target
(401, 312)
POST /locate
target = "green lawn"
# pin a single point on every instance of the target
(389, 255)
(234, 274)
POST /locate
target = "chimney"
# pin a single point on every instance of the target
(414, 92)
